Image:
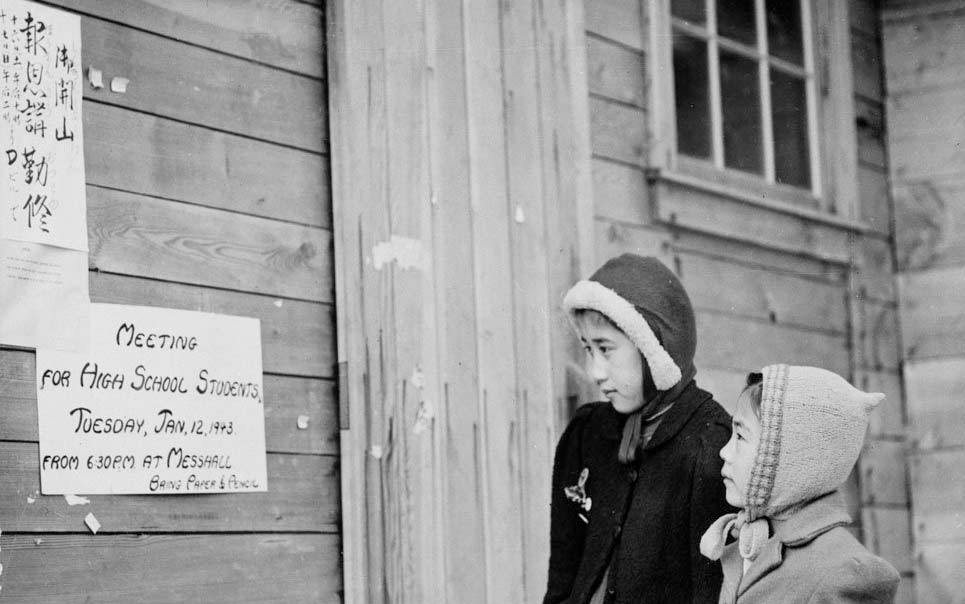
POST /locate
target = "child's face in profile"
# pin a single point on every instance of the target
(739, 452)
(613, 361)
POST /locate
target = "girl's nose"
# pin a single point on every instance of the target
(725, 450)
(597, 369)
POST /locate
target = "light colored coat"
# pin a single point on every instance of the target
(809, 559)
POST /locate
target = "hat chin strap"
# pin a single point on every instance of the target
(751, 536)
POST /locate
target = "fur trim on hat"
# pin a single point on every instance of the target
(591, 295)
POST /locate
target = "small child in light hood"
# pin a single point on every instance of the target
(797, 433)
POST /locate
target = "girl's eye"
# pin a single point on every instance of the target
(587, 349)
(738, 435)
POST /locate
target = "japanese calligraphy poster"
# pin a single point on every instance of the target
(42, 166)
(43, 207)
(166, 401)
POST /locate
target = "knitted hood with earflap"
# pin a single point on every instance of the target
(813, 424)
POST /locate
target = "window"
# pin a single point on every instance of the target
(744, 87)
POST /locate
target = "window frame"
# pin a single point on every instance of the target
(664, 103)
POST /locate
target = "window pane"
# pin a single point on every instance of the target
(789, 114)
(692, 95)
(735, 20)
(740, 100)
(694, 11)
(784, 30)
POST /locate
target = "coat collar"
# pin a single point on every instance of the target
(671, 422)
(798, 527)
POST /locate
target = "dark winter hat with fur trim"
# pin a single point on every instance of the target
(648, 303)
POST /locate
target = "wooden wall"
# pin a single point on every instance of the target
(207, 189)
(460, 174)
(771, 282)
(924, 45)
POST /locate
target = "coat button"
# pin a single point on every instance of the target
(617, 530)
(632, 475)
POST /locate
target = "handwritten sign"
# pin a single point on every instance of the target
(166, 401)
(41, 144)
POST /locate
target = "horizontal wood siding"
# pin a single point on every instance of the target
(207, 189)
(923, 44)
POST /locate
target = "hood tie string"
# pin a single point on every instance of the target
(751, 536)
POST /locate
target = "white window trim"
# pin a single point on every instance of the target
(662, 94)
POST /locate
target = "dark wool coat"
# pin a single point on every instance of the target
(651, 514)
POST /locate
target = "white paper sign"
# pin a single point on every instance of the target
(166, 401)
(41, 144)
(44, 300)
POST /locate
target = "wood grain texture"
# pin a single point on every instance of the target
(938, 482)
(616, 72)
(496, 354)
(878, 343)
(297, 337)
(530, 433)
(871, 133)
(737, 344)
(935, 410)
(932, 313)
(613, 239)
(866, 59)
(280, 33)
(874, 202)
(620, 192)
(203, 87)
(785, 262)
(883, 473)
(925, 52)
(618, 20)
(140, 153)
(302, 496)
(887, 533)
(888, 418)
(142, 236)
(923, 133)
(755, 293)
(865, 16)
(939, 572)
(161, 569)
(286, 398)
(875, 275)
(618, 131)
(684, 206)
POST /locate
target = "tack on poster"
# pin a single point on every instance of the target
(165, 402)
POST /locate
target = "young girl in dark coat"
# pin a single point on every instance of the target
(636, 478)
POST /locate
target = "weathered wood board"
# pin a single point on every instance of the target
(169, 78)
(140, 153)
(933, 313)
(142, 236)
(302, 496)
(619, 20)
(616, 72)
(160, 569)
(283, 33)
(618, 131)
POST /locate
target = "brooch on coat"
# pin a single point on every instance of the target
(577, 494)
